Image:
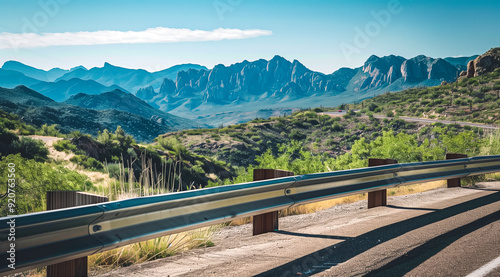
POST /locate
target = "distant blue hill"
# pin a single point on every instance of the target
(12, 79)
(64, 89)
(130, 79)
(35, 73)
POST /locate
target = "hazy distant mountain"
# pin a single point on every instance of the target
(37, 109)
(129, 79)
(12, 79)
(124, 101)
(63, 89)
(35, 73)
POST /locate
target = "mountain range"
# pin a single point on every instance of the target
(60, 84)
(239, 90)
(279, 83)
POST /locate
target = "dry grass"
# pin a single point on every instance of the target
(152, 249)
(493, 176)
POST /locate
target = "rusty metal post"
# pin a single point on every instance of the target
(65, 199)
(454, 183)
(379, 197)
(268, 222)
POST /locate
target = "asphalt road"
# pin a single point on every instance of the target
(444, 232)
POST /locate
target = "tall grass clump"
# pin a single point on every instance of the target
(152, 249)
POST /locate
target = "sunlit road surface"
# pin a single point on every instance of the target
(444, 232)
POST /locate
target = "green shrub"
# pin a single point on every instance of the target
(117, 171)
(255, 138)
(337, 127)
(371, 107)
(87, 162)
(65, 145)
(31, 148)
(296, 135)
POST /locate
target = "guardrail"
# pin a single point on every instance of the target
(60, 235)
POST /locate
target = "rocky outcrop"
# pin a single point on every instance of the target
(470, 69)
(483, 64)
(487, 62)
(92, 148)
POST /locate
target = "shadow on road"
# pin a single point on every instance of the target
(411, 208)
(313, 235)
(420, 254)
(341, 252)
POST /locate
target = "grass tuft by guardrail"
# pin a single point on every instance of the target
(152, 249)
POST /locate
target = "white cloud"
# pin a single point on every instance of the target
(151, 35)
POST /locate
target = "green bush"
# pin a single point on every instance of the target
(371, 107)
(440, 110)
(49, 130)
(31, 148)
(255, 138)
(65, 145)
(296, 135)
(87, 162)
(115, 170)
(337, 127)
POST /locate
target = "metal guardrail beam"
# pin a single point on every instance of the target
(55, 236)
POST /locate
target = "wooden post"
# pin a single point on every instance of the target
(65, 199)
(268, 222)
(454, 183)
(379, 197)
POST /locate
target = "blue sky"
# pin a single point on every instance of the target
(323, 35)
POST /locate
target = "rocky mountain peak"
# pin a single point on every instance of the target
(421, 68)
(146, 93)
(168, 87)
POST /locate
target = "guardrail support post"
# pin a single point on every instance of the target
(65, 199)
(454, 183)
(268, 222)
(379, 197)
